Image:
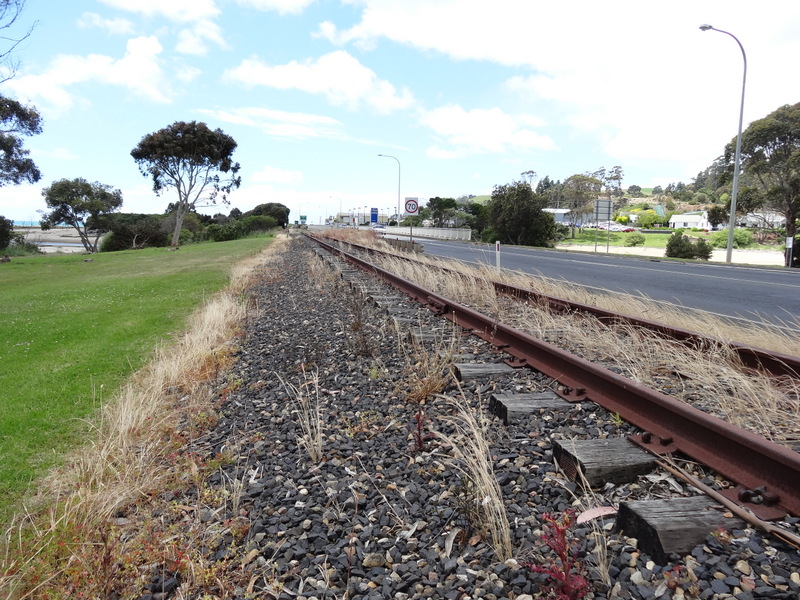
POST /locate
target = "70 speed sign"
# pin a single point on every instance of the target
(412, 206)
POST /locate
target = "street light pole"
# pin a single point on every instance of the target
(398, 184)
(738, 156)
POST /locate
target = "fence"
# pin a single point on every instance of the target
(445, 233)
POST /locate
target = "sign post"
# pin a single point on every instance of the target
(497, 254)
(412, 208)
(603, 210)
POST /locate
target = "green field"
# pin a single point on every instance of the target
(72, 330)
(615, 238)
(652, 240)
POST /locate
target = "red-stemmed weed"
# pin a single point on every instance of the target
(565, 580)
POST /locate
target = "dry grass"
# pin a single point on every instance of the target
(428, 366)
(711, 378)
(470, 447)
(137, 450)
(305, 399)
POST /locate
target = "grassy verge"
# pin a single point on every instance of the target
(73, 330)
(587, 237)
(613, 238)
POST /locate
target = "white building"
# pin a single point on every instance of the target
(692, 220)
(560, 215)
(768, 220)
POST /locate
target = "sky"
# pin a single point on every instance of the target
(463, 94)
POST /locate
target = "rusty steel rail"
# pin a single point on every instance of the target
(753, 462)
(757, 359)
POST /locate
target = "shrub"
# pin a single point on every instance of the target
(680, 246)
(635, 239)
(130, 230)
(261, 223)
(6, 232)
(741, 238)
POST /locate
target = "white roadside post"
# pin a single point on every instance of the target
(497, 254)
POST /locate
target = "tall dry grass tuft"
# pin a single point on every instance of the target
(428, 368)
(131, 451)
(471, 449)
(305, 399)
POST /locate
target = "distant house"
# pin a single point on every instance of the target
(692, 220)
(560, 215)
(769, 220)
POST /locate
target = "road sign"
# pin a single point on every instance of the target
(603, 209)
(412, 206)
(373, 215)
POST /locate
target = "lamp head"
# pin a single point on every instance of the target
(706, 27)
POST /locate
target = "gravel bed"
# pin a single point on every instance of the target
(386, 512)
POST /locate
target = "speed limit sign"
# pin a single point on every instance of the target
(412, 206)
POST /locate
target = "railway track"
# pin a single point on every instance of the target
(765, 477)
(758, 359)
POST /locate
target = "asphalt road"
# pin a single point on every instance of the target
(742, 293)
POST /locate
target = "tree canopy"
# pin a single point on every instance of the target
(516, 215)
(6, 232)
(17, 120)
(277, 211)
(81, 205)
(771, 158)
(442, 210)
(189, 157)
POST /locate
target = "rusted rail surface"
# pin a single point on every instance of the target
(758, 359)
(670, 425)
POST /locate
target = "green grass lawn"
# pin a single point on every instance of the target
(652, 240)
(73, 330)
(614, 238)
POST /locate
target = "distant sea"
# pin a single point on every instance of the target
(26, 223)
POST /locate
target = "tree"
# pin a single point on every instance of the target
(658, 190)
(478, 216)
(189, 157)
(770, 155)
(516, 216)
(635, 191)
(277, 211)
(442, 210)
(545, 184)
(17, 120)
(131, 231)
(579, 191)
(81, 205)
(717, 215)
(612, 180)
(6, 232)
(10, 10)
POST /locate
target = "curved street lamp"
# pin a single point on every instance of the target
(398, 183)
(738, 156)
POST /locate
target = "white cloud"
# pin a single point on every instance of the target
(56, 153)
(341, 78)
(482, 131)
(193, 40)
(175, 10)
(113, 26)
(275, 175)
(282, 7)
(281, 124)
(139, 71)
